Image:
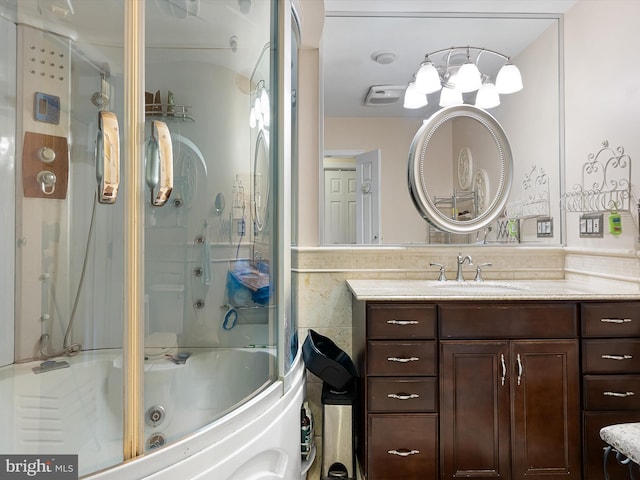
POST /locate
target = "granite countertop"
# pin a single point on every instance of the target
(405, 289)
(625, 438)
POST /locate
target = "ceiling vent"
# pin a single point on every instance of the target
(381, 95)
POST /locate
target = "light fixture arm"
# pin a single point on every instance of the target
(448, 57)
(450, 50)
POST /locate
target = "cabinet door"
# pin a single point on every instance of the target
(475, 410)
(546, 409)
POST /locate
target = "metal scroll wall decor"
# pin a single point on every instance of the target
(535, 186)
(605, 183)
(534, 204)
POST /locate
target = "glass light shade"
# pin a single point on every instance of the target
(509, 79)
(450, 96)
(414, 99)
(428, 79)
(468, 78)
(487, 96)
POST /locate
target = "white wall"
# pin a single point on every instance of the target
(602, 97)
(309, 154)
(540, 96)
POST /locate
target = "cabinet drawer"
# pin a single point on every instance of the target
(611, 392)
(402, 447)
(614, 319)
(404, 321)
(506, 321)
(611, 356)
(593, 445)
(401, 358)
(407, 394)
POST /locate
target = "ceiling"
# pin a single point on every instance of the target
(180, 30)
(356, 30)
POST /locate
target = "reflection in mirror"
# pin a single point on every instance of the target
(219, 203)
(261, 180)
(460, 169)
(351, 197)
(530, 117)
(260, 123)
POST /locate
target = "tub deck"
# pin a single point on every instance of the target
(79, 409)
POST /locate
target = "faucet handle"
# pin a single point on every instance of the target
(441, 277)
(479, 271)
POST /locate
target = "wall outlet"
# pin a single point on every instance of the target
(591, 225)
(545, 227)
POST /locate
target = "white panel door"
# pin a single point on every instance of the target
(368, 199)
(340, 192)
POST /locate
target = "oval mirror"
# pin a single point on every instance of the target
(261, 180)
(468, 148)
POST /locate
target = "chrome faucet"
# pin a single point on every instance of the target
(461, 260)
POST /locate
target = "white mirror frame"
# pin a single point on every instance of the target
(418, 170)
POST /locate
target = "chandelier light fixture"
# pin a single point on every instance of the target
(458, 72)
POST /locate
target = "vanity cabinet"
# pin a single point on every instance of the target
(461, 389)
(395, 348)
(611, 378)
(507, 389)
(510, 403)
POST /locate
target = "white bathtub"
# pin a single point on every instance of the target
(222, 418)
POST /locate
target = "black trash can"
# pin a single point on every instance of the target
(339, 395)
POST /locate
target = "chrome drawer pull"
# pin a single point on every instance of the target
(617, 357)
(618, 394)
(615, 320)
(403, 322)
(402, 360)
(403, 452)
(403, 396)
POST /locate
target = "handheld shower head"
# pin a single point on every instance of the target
(101, 99)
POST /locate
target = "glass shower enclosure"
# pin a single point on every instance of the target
(144, 270)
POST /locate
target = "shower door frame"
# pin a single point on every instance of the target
(7, 207)
(133, 335)
(133, 152)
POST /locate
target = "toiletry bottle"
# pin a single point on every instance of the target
(615, 222)
(305, 433)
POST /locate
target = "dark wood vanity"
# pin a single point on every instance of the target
(505, 389)
(610, 378)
